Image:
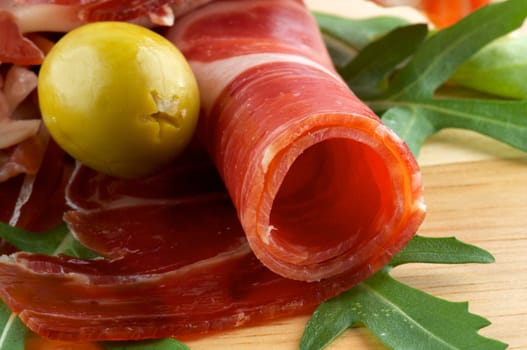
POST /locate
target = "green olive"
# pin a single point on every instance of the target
(119, 98)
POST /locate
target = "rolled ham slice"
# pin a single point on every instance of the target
(320, 185)
(307, 194)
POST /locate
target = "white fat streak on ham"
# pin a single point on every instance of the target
(240, 250)
(45, 17)
(25, 193)
(163, 17)
(17, 85)
(213, 77)
(15, 131)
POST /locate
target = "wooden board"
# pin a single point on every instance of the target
(476, 190)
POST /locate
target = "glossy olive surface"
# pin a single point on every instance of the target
(119, 98)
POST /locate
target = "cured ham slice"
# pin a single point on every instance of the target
(308, 193)
(319, 183)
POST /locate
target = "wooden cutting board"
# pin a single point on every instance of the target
(476, 190)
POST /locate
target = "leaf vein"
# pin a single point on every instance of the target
(386, 301)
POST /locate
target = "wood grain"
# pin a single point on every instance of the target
(476, 190)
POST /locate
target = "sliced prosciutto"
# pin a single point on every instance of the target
(319, 183)
(303, 194)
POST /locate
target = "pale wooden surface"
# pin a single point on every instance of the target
(476, 190)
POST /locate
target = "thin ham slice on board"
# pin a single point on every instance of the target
(302, 194)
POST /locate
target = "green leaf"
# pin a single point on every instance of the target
(13, 330)
(344, 37)
(52, 242)
(447, 250)
(44, 243)
(164, 344)
(399, 316)
(72, 247)
(411, 125)
(373, 64)
(500, 69)
(443, 53)
(503, 120)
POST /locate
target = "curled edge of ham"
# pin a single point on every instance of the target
(297, 193)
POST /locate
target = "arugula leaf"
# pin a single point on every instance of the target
(500, 69)
(442, 54)
(408, 122)
(447, 250)
(58, 240)
(415, 120)
(345, 37)
(44, 243)
(409, 105)
(401, 316)
(72, 247)
(381, 57)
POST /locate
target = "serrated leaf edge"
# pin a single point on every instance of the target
(485, 322)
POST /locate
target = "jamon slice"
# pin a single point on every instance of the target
(319, 183)
(311, 182)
